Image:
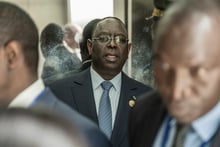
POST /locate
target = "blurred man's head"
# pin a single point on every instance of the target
(51, 36)
(30, 128)
(72, 35)
(18, 51)
(186, 62)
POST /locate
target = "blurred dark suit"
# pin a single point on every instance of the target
(146, 118)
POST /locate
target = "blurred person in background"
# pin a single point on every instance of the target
(58, 60)
(72, 35)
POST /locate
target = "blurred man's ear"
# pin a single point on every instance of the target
(13, 53)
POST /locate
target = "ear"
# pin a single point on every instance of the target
(89, 46)
(129, 47)
(13, 53)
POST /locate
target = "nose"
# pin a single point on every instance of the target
(180, 85)
(112, 42)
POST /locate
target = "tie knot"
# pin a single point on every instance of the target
(106, 85)
(182, 128)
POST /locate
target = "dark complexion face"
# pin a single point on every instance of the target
(109, 57)
(187, 69)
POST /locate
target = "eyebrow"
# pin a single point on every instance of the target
(108, 33)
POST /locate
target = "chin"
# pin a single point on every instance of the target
(182, 117)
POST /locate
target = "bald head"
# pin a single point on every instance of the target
(110, 20)
(71, 35)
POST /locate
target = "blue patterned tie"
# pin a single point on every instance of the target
(105, 111)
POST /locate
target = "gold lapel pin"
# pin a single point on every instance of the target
(132, 101)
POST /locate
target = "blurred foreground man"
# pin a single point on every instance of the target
(185, 110)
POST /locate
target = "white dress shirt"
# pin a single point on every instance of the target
(28, 95)
(203, 129)
(114, 92)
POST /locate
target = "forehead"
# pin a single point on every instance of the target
(192, 41)
(110, 25)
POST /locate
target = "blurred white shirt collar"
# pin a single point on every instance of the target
(28, 95)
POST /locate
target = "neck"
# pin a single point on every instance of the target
(19, 84)
(106, 74)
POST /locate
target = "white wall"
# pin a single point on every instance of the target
(119, 9)
(44, 11)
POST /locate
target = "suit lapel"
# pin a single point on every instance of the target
(83, 95)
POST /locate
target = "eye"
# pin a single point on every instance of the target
(196, 71)
(120, 39)
(104, 38)
(161, 65)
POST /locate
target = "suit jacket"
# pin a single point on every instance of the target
(146, 118)
(77, 92)
(89, 129)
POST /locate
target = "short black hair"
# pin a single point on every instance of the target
(17, 25)
(162, 4)
(51, 36)
(87, 34)
(107, 18)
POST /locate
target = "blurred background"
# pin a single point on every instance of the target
(79, 12)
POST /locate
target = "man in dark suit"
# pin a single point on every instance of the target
(19, 83)
(109, 50)
(185, 110)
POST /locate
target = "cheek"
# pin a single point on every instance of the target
(125, 56)
(95, 52)
(209, 84)
(160, 79)
(205, 92)
(3, 78)
(211, 89)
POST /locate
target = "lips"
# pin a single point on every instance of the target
(111, 57)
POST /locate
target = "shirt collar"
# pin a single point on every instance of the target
(28, 95)
(207, 125)
(97, 80)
